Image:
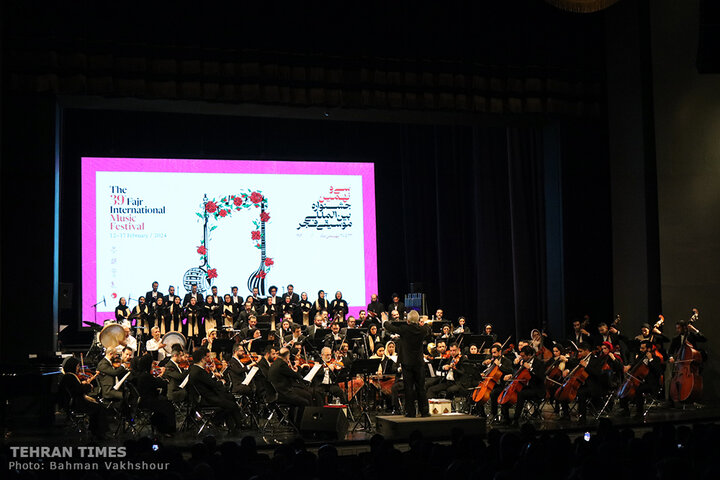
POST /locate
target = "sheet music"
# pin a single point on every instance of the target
(250, 375)
(312, 372)
(183, 384)
(432, 370)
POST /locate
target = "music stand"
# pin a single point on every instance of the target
(258, 346)
(365, 368)
(224, 346)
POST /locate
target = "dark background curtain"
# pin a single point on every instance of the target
(460, 209)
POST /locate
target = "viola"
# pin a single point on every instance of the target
(518, 382)
(491, 377)
(576, 378)
(686, 384)
(635, 376)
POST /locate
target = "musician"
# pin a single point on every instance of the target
(214, 293)
(296, 339)
(212, 392)
(229, 312)
(506, 367)
(175, 375)
(333, 339)
(290, 309)
(237, 370)
(325, 380)
(685, 332)
(155, 346)
(389, 364)
(294, 299)
(374, 309)
(152, 296)
(212, 312)
(462, 328)
(256, 299)
(305, 305)
(411, 360)
(242, 318)
(316, 327)
(362, 318)
(320, 305)
(595, 384)
(73, 395)
(111, 371)
(397, 305)
(288, 383)
(579, 334)
(284, 328)
(208, 341)
(439, 315)
(122, 312)
(237, 300)
(153, 391)
(539, 340)
(446, 334)
(193, 294)
(248, 331)
(488, 332)
(175, 314)
(373, 338)
(535, 388)
(650, 383)
(195, 326)
(270, 308)
(130, 341)
(170, 297)
(473, 349)
(338, 306)
(654, 336)
(160, 315)
(141, 314)
(457, 379)
(275, 300)
(606, 335)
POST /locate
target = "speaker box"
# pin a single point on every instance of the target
(325, 421)
(65, 296)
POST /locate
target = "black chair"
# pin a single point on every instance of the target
(205, 416)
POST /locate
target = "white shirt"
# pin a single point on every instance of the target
(153, 345)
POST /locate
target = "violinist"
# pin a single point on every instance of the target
(458, 378)
(111, 370)
(238, 368)
(325, 381)
(73, 395)
(506, 368)
(649, 384)
(212, 391)
(535, 388)
(295, 340)
(593, 387)
(208, 341)
(175, 374)
(122, 312)
(436, 364)
(155, 346)
(153, 391)
(288, 383)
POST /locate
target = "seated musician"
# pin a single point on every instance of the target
(373, 338)
(488, 331)
(284, 328)
(379, 353)
(248, 331)
(130, 341)
(650, 383)
(506, 367)
(212, 391)
(244, 316)
(208, 341)
(316, 327)
(473, 349)
(111, 371)
(325, 380)
(436, 364)
(288, 383)
(350, 324)
(535, 388)
(155, 345)
(73, 395)
(579, 334)
(389, 367)
(153, 391)
(595, 384)
(462, 328)
(238, 368)
(458, 376)
(175, 375)
(333, 339)
(295, 340)
(264, 391)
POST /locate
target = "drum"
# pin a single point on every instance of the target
(173, 338)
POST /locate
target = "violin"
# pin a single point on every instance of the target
(249, 358)
(156, 370)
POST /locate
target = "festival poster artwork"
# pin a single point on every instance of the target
(225, 223)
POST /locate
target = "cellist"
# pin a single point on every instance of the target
(592, 389)
(535, 388)
(506, 367)
(650, 383)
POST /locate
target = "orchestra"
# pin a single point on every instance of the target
(218, 350)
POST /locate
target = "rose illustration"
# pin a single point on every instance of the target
(238, 201)
(210, 207)
(255, 234)
(212, 273)
(222, 213)
(264, 216)
(269, 261)
(256, 197)
(261, 274)
(202, 250)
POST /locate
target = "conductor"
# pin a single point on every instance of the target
(411, 361)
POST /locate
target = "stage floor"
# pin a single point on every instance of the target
(356, 440)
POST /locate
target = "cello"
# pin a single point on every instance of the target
(509, 395)
(686, 384)
(576, 378)
(635, 376)
(490, 377)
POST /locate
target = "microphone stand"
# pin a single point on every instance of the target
(95, 308)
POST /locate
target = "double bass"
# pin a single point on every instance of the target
(686, 383)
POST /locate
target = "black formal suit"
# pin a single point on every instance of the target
(175, 376)
(506, 368)
(238, 301)
(314, 329)
(198, 297)
(151, 297)
(678, 341)
(107, 378)
(163, 417)
(287, 384)
(242, 318)
(237, 372)
(265, 391)
(399, 306)
(169, 299)
(271, 310)
(294, 298)
(594, 385)
(534, 390)
(375, 307)
(459, 384)
(650, 384)
(411, 360)
(577, 338)
(212, 393)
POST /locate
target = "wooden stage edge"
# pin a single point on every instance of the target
(399, 427)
